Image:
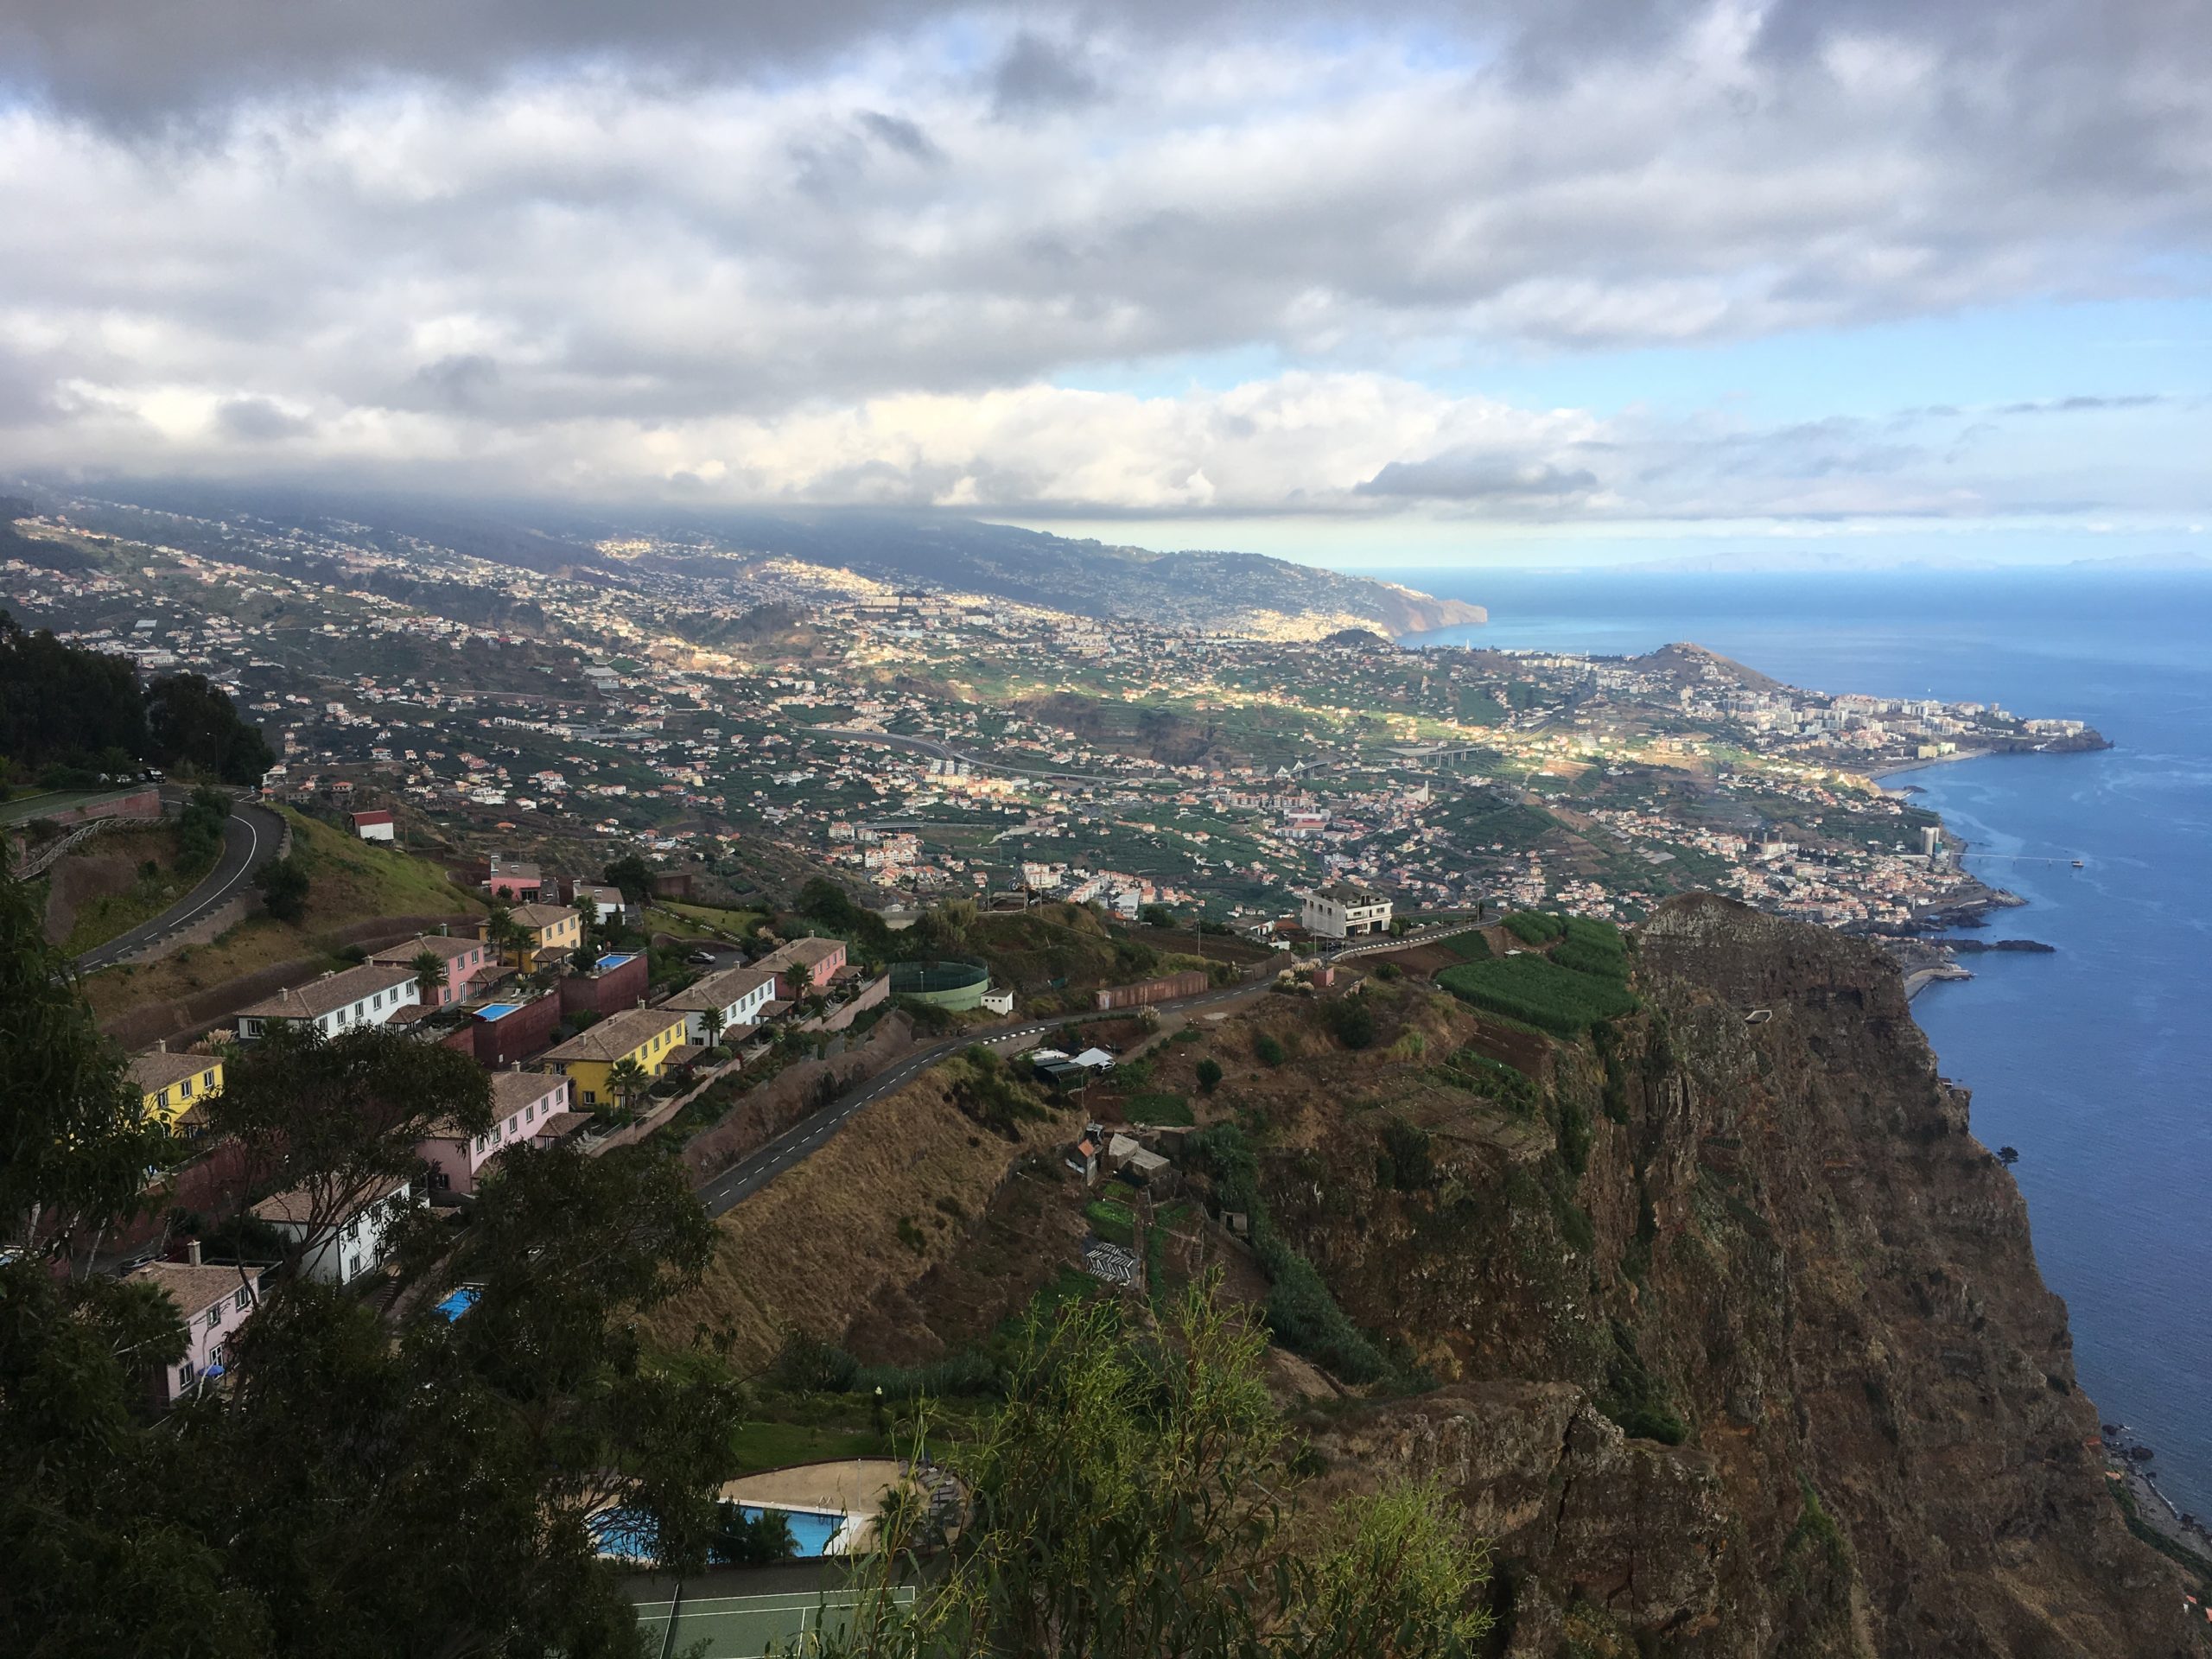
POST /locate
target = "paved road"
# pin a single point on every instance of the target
(743, 1180)
(250, 838)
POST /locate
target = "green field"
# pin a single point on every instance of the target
(1584, 983)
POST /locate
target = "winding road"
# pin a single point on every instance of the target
(250, 836)
(795, 1144)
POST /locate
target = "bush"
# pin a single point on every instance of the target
(1267, 1051)
(1387, 971)
(284, 884)
(1350, 1020)
(1209, 1075)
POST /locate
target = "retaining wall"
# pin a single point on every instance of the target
(1190, 982)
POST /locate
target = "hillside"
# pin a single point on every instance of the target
(358, 894)
(1238, 593)
(1729, 1336)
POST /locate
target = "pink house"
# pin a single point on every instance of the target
(522, 1102)
(514, 882)
(465, 960)
(805, 965)
(213, 1302)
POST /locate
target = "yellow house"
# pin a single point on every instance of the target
(546, 929)
(648, 1036)
(169, 1085)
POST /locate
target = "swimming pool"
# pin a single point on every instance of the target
(605, 963)
(458, 1302)
(815, 1531)
(627, 1535)
(497, 1010)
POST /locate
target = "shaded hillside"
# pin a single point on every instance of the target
(1729, 1335)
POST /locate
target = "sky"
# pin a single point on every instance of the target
(1530, 282)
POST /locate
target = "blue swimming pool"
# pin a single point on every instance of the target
(814, 1531)
(497, 1010)
(605, 963)
(625, 1535)
(458, 1302)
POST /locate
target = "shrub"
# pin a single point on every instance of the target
(284, 884)
(1267, 1051)
(1209, 1075)
(1387, 971)
(1412, 1166)
(1350, 1020)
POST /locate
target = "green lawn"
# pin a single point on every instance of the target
(778, 1446)
(1112, 1220)
(1161, 1108)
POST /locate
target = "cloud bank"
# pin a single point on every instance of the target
(885, 252)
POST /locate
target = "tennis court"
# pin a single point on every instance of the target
(745, 1627)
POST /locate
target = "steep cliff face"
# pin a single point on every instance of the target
(1775, 1244)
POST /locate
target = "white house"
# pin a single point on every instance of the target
(367, 995)
(213, 1302)
(739, 994)
(341, 1238)
(997, 1001)
(1342, 912)
(373, 826)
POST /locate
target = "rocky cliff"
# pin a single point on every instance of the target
(1741, 1344)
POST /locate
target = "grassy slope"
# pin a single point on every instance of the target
(813, 1247)
(349, 882)
(99, 918)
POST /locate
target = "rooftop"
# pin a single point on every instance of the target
(193, 1289)
(331, 992)
(541, 916)
(442, 945)
(720, 990)
(616, 1035)
(157, 1071)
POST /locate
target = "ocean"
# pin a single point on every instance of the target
(2096, 1062)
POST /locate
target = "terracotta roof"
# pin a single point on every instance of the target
(193, 1289)
(616, 1035)
(720, 990)
(560, 1126)
(442, 945)
(318, 997)
(801, 953)
(377, 816)
(298, 1203)
(513, 1090)
(156, 1072)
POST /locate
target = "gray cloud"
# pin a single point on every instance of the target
(896, 133)
(257, 420)
(1469, 476)
(1036, 77)
(689, 238)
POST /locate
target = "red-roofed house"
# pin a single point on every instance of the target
(374, 826)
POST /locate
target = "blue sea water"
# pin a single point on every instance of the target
(2095, 1062)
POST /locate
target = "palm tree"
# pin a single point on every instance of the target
(503, 932)
(712, 1022)
(429, 976)
(629, 1080)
